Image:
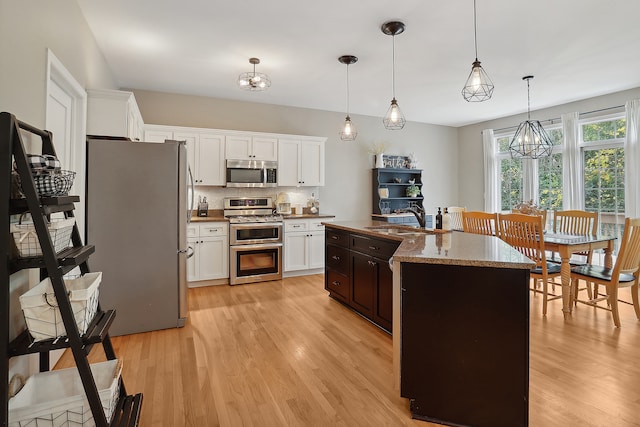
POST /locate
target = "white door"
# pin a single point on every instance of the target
(66, 112)
(214, 258)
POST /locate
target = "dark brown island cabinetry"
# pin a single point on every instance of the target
(357, 273)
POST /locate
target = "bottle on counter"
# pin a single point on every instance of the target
(439, 219)
(446, 220)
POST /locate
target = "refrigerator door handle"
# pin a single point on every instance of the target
(192, 194)
(189, 255)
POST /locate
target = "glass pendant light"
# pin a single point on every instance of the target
(254, 81)
(479, 86)
(348, 131)
(530, 141)
(394, 119)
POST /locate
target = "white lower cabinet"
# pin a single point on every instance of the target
(210, 244)
(304, 244)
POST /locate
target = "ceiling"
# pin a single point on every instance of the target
(576, 49)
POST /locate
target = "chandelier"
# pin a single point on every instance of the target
(530, 141)
(252, 80)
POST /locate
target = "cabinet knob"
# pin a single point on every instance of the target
(335, 237)
(373, 248)
(371, 263)
(335, 283)
(336, 257)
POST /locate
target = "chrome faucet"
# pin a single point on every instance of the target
(418, 212)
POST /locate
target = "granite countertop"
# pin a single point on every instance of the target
(429, 246)
(307, 216)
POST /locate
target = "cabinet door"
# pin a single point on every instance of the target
(288, 163)
(382, 312)
(363, 285)
(295, 251)
(214, 258)
(264, 148)
(312, 163)
(316, 249)
(238, 147)
(157, 135)
(192, 141)
(192, 263)
(211, 165)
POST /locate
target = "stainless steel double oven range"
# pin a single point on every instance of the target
(255, 240)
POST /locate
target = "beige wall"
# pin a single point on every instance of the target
(470, 159)
(347, 191)
(27, 29)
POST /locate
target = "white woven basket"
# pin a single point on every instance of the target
(28, 244)
(41, 312)
(57, 398)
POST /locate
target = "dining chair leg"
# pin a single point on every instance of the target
(612, 299)
(634, 297)
(545, 291)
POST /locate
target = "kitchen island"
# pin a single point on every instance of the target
(460, 323)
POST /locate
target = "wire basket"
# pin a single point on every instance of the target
(57, 183)
(40, 306)
(57, 398)
(27, 242)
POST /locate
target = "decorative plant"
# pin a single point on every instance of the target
(413, 191)
(378, 147)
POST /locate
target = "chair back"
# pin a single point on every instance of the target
(480, 222)
(575, 222)
(629, 254)
(537, 212)
(525, 234)
(455, 213)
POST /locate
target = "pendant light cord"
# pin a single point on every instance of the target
(393, 66)
(528, 102)
(475, 29)
(347, 89)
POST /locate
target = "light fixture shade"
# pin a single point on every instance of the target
(394, 119)
(479, 86)
(531, 141)
(348, 132)
(253, 81)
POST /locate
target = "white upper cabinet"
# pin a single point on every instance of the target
(113, 113)
(300, 162)
(205, 151)
(247, 147)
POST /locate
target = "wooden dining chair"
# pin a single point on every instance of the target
(455, 212)
(623, 274)
(525, 234)
(576, 222)
(480, 222)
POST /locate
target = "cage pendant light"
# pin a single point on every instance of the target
(479, 86)
(530, 140)
(252, 80)
(394, 119)
(348, 131)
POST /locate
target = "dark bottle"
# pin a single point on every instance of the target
(439, 220)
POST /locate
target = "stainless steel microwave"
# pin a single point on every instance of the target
(252, 173)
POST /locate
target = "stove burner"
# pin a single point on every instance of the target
(236, 219)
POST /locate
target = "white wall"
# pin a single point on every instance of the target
(347, 190)
(470, 160)
(27, 29)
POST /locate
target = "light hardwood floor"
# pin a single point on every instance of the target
(285, 354)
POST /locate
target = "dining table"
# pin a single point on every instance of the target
(568, 244)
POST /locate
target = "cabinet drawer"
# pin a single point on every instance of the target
(337, 283)
(337, 237)
(383, 249)
(215, 229)
(316, 225)
(293, 225)
(337, 259)
(192, 231)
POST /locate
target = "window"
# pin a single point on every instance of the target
(602, 149)
(550, 174)
(510, 175)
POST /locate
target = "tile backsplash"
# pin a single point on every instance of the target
(215, 195)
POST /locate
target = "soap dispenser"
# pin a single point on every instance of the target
(439, 219)
(446, 220)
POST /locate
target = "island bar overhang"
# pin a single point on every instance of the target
(461, 329)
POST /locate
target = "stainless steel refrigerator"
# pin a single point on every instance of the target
(136, 217)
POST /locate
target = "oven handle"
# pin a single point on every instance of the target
(257, 246)
(256, 225)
